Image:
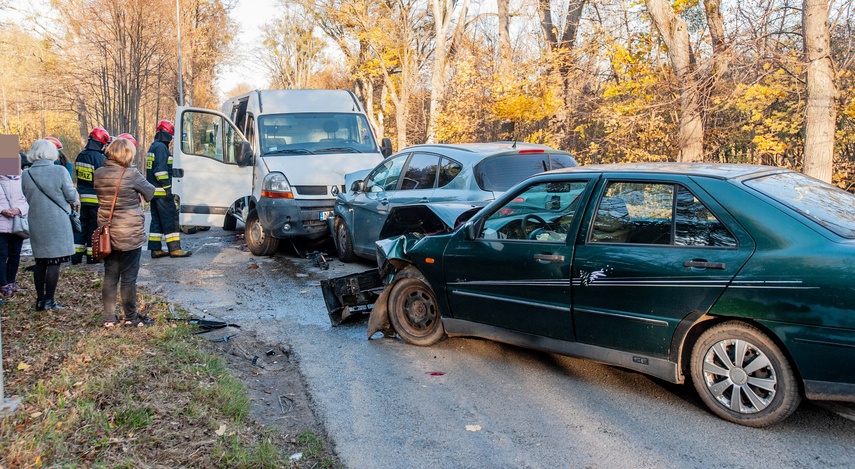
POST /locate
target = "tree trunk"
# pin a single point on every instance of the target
(820, 113)
(675, 34)
(442, 14)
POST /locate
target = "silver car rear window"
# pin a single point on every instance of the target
(823, 203)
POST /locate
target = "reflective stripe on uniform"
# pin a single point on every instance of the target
(172, 237)
(88, 199)
(160, 175)
(155, 237)
(89, 250)
(79, 248)
(159, 191)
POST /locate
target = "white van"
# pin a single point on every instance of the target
(274, 160)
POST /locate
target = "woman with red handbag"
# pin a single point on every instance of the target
(119, 187)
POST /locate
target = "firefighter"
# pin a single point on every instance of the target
(88, 160)
(164, 215)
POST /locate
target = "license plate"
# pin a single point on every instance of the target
(325, 215)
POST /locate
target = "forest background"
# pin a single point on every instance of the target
(741, 81)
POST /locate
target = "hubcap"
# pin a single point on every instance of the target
(740, 376)
(420, 310)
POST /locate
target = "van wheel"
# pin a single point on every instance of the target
(742, 375)
(259, 242)
(343, 242)
(230, 222)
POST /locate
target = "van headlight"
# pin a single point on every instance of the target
(275, 186)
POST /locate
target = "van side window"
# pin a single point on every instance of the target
(208, 135)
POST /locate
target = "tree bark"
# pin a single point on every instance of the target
(675, 35)
(442, 14)
(820, 113)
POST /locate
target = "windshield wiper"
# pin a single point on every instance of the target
(290, 151)
(339, 149)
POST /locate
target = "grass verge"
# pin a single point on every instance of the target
(125, 397)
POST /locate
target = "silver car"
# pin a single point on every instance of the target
(472, 173)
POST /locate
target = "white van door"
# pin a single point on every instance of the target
(206, 175)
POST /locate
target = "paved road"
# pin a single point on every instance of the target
(382, 408)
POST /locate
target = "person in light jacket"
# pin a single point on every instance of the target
(12, 203)
(51, 196)
(127, 229)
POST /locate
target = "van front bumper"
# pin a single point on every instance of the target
(290, 218)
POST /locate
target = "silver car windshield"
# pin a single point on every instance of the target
(825, 204)
(315, 133)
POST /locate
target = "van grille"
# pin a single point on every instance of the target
(311, 190)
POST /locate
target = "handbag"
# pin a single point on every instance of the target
(75, 222)
(72, 215)
(101, 243)
(20, 224)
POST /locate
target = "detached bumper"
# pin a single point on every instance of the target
(351, 294)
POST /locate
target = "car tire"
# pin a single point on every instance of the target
(343, 242)
(258, 241)
(735, 357)
(414, 311)
(229, 222)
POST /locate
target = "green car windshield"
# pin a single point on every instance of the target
(315, 133)
(823, 203)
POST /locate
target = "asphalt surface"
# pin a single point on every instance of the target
(491, 405)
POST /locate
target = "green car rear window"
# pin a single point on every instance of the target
(823, 203)
(500, 173)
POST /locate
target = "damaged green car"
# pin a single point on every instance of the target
(737, 277)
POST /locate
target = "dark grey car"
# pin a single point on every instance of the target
(473, 173)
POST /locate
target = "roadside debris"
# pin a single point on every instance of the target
(320, 259)
(205, 325)
(351, 294)
(225, 338)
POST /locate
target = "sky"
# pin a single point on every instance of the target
(250, 16)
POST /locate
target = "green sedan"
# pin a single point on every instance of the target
(738, 278)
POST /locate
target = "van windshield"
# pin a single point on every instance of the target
(315, 133)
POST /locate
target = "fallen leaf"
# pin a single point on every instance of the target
(23, 366)
(36, 415)
(79, 383)
(221, 431)
(473, 428)
(304, 291)
(435, 373)
(296, 457)
(253, 266)
(38, 461)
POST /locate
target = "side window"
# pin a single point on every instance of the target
(421, 172)
(541, 213)
(448, 170)
(634, 212)
(207, 135)
(249, 132)
(385, 177)
(695, 225)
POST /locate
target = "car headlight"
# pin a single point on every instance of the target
(275, 186)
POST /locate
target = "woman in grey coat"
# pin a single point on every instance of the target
(51, 195)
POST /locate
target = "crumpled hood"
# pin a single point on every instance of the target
(426, 219)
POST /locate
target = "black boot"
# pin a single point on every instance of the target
(158, 254)
(40, 305)
(77, 258)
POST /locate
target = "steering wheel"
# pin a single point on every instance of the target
(543, 224)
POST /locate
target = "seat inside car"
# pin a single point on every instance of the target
(612, 224)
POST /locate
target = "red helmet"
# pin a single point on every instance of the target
(166, 126)
(101, 135)
(55, 141)
(128, 137)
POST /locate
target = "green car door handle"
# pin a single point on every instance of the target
(548, 258)
(701, 264)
